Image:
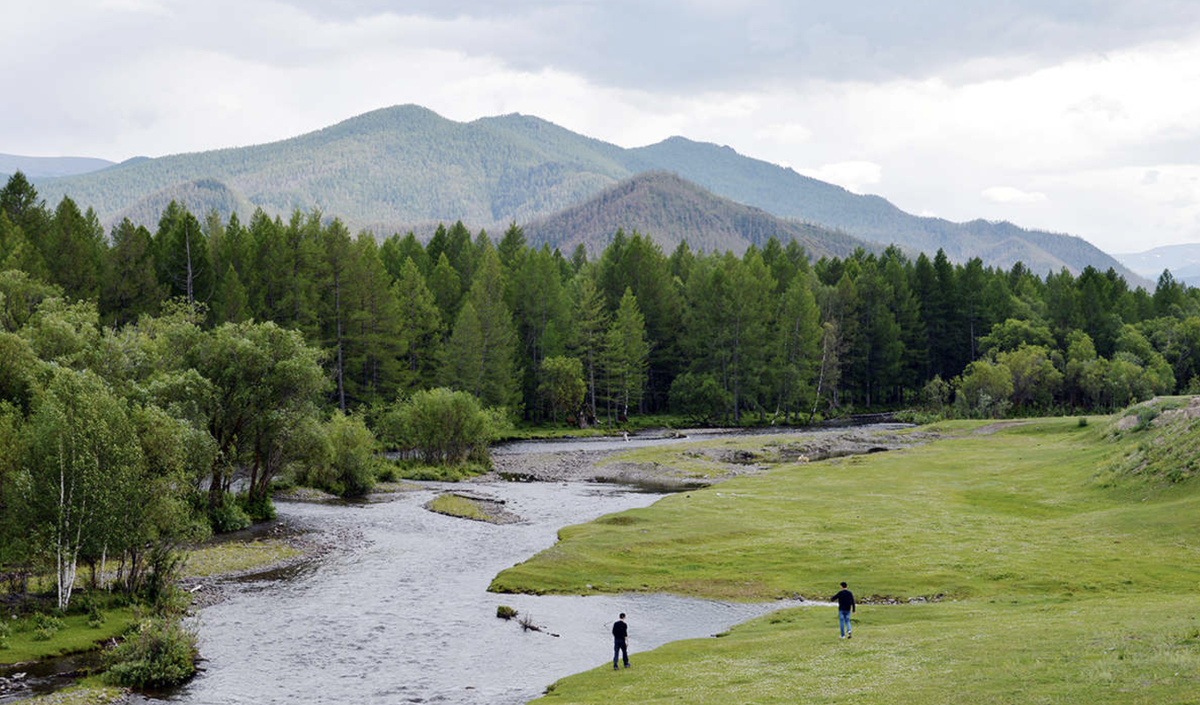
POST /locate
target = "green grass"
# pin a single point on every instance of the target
(1064, 576)
(74, 637)
(456, 506)
(81, 695)
(413, 470)
(970, 516)
(1121, 650)
(235, 557)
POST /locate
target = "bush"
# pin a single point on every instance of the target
(443, 426)
(256, 507)
(227, 516)
(45, 626)
(347, 465)
(352, 455)
(700, 397)
(505, 612)
(1145, 417)
(159, 654)
(1083, 421)
(919, 418)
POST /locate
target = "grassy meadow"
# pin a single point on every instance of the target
(1059, 565)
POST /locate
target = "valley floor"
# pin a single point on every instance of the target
(1025, 567)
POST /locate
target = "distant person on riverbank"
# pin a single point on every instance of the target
(845, 600)
(620, 641)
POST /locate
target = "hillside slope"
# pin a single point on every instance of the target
(397, 167)
(788, 194)
(46, 167)
(670, 209)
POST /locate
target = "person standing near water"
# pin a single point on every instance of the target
(845, 600)
(620, 641)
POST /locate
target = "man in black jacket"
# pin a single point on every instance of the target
(845, 600)
(620, 641)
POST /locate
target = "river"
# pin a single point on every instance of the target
(403, 615)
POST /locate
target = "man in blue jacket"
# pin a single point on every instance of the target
(845, 600)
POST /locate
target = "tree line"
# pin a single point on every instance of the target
(711, 335)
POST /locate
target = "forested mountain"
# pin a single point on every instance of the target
(46, 167)
(788, 194)
(199, 196)
(406, 166)
(673, 210)
(1182, 260)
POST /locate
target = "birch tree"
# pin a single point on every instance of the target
(81, 449)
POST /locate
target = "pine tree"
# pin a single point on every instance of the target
(446, 288)
(541, 315)
(130, 287)
(420, 326)
(75, 257)
(335, 263)
(182, 254)
(375, 340)
(479, 356)
(626, 356)
(591, 323)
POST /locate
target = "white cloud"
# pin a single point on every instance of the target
(852, 176)
(789, 133)
(1008, 194)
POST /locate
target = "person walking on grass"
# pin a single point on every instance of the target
(620, 641)
(845, 600)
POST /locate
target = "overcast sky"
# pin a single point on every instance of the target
(1079, 116)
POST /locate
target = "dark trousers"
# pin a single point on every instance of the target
(620, 649)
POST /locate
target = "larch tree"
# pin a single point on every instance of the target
(480, 356)
(626, 356)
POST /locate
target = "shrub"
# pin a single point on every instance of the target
(1083, 421)
(700, 397)
(227, 516)
(256, 507)
(1145, 417)
(351, 454)
(159, 654)
(444, 426)
(505, 612)
(347, 464)
(45, 626)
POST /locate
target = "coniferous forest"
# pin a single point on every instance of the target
(155, 379)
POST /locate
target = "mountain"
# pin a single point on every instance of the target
(672, 209)
(1182, 260)
(43, 167)
(407, 166)
(785, 193)
(199, 196)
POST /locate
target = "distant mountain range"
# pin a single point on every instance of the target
(1182, 260)
(45, 167)
(407, 167)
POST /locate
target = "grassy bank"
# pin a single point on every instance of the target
(75, 635)
(1060, 577)
(1012, 512)
(1119, 650)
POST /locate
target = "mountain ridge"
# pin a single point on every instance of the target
(672, 209)
(396, 167)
